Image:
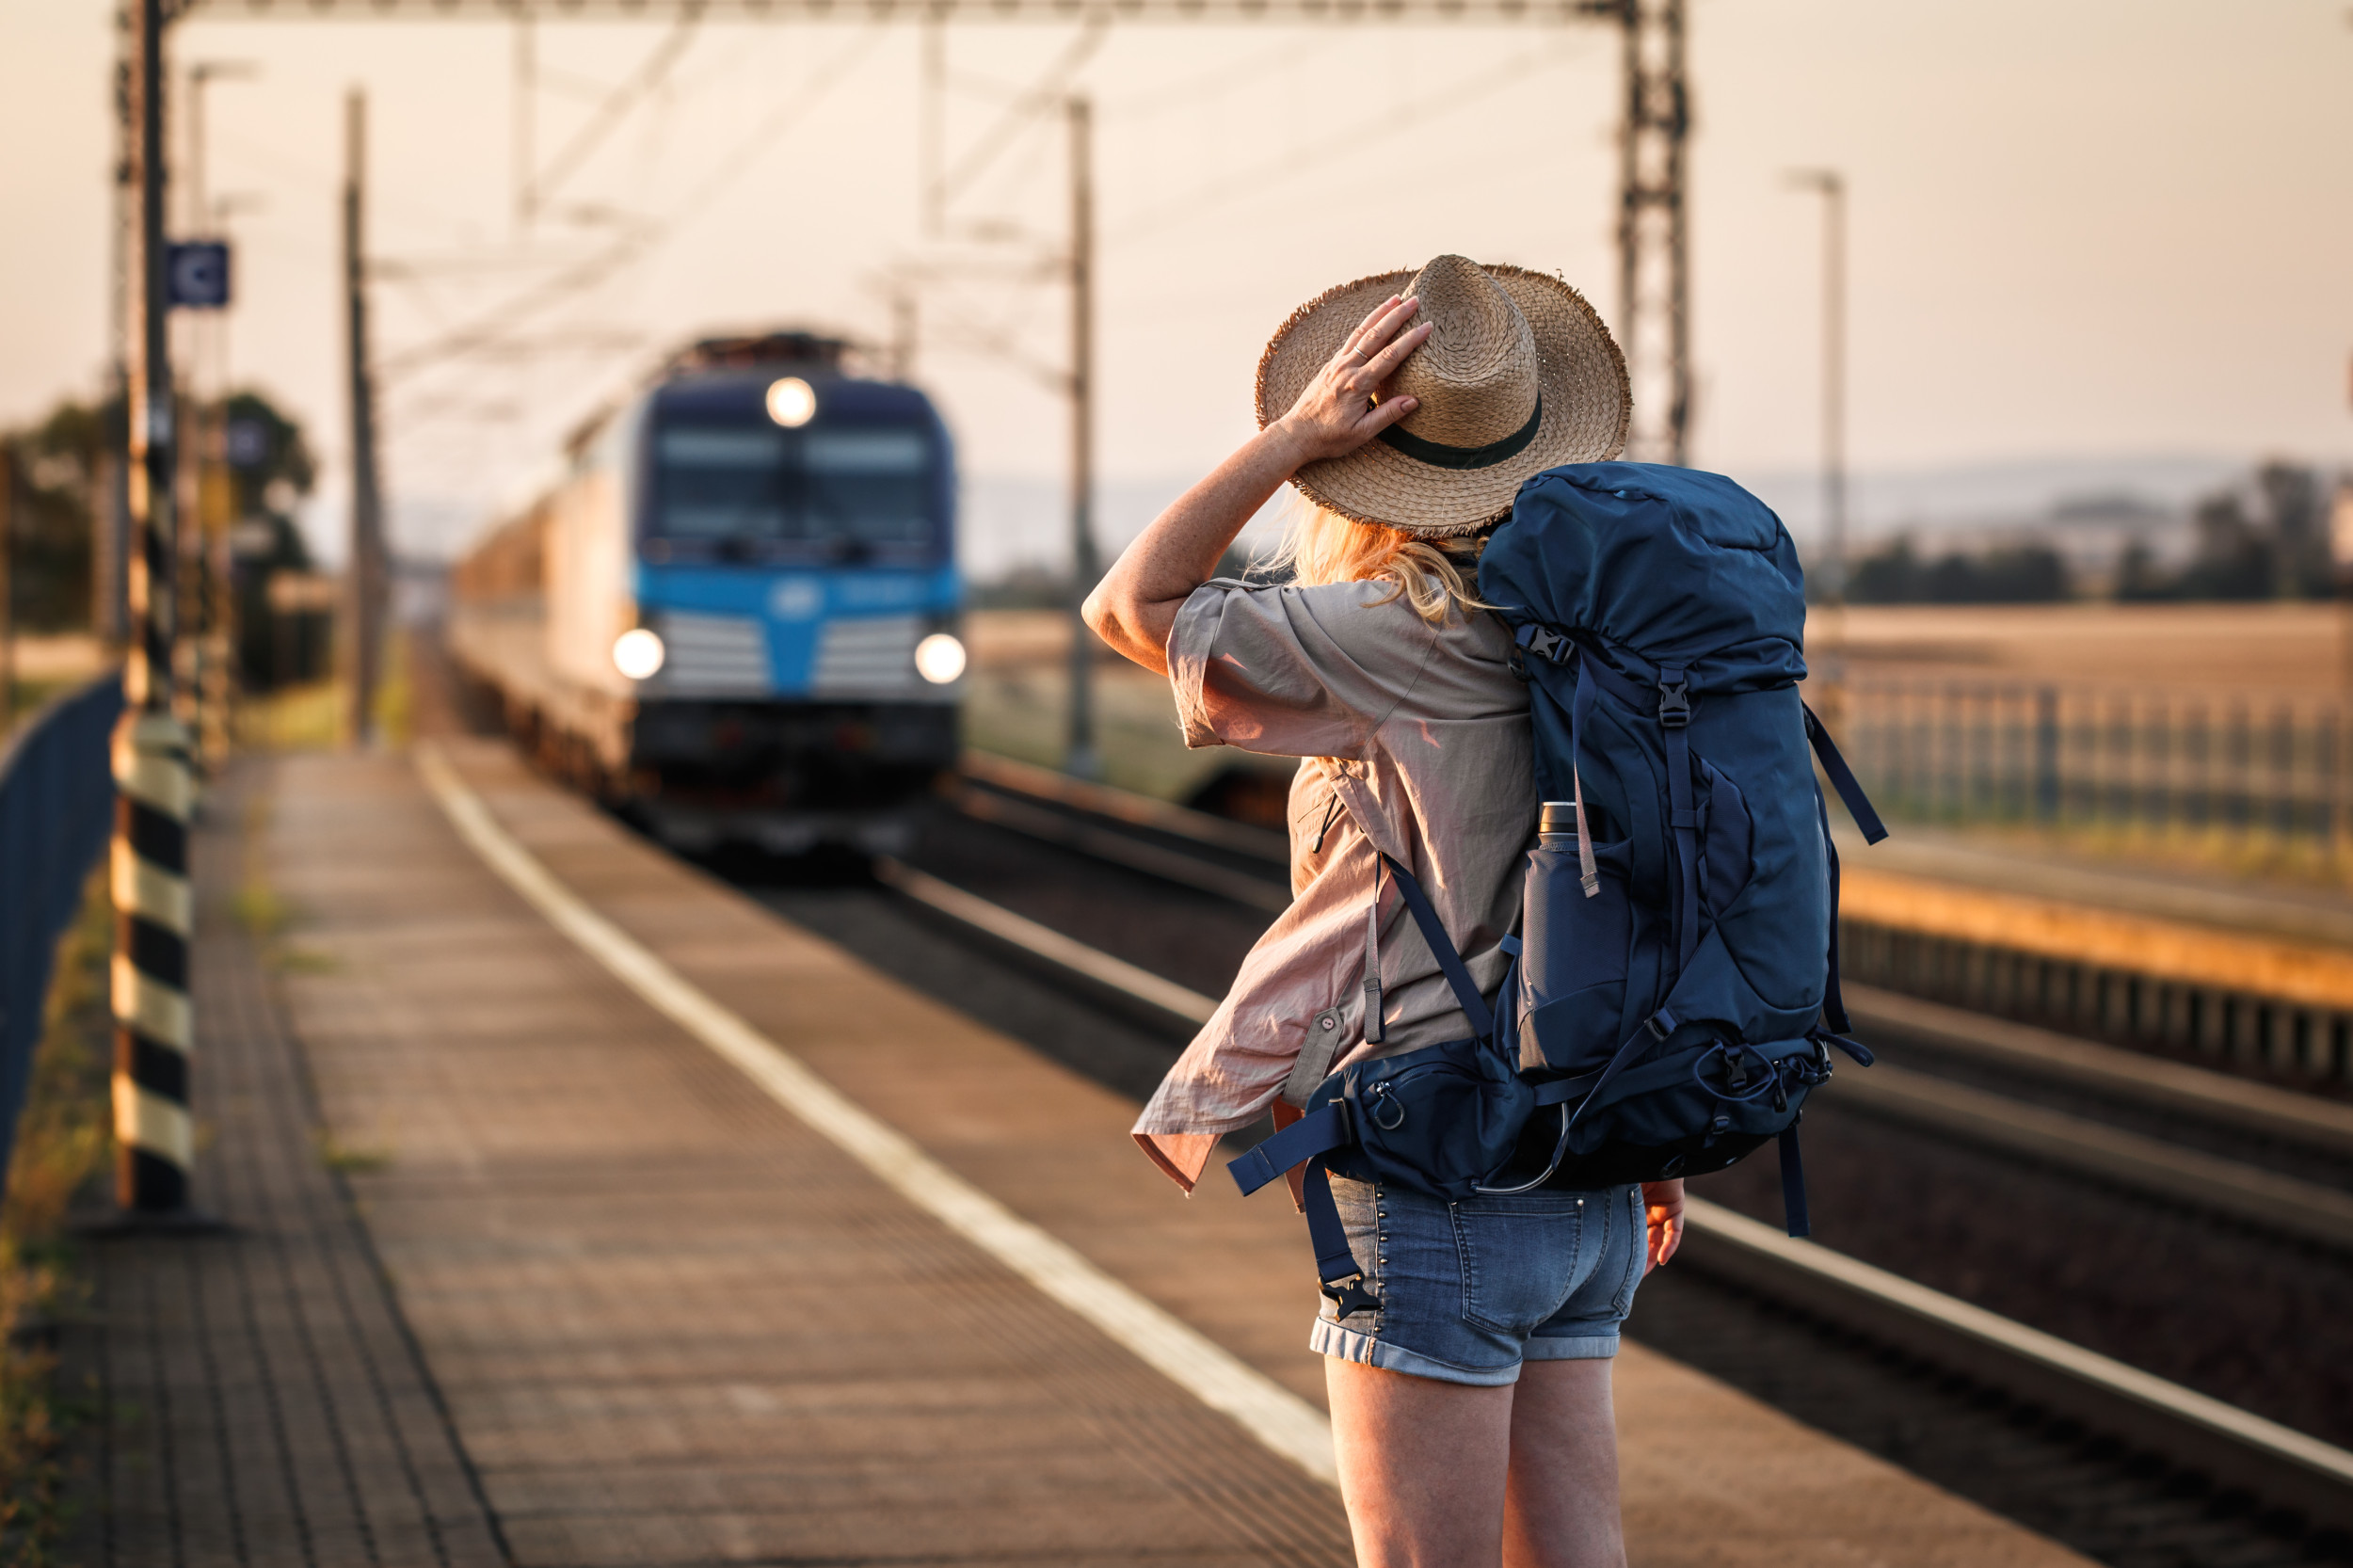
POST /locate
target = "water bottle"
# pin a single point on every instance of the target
(1573, 943)
(1548, 912)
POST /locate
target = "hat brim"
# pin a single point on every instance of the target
(1579, 369)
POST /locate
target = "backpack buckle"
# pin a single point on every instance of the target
(1675, 701)
(1349, 1295)
(1541, 641)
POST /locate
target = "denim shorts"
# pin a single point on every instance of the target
(1469, 1290)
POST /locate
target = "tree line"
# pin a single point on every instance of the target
(61, 469)
(2265, 539)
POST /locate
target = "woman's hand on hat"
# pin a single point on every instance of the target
(1134, 607)
(1341, 409)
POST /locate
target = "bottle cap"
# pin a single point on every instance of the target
(1559, 817)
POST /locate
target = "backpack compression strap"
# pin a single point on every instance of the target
(1833, 998)
(1535, 639)
(1683, 815)
(1842, 778)
(1794, 1215)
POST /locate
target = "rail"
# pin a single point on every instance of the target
(57, 803)
(2142, 981)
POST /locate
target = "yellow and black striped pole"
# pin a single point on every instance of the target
(154, 907)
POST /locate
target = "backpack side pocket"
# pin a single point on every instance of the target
(1577, 951)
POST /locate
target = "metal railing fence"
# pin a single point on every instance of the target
(2262, 767)
(56, 806)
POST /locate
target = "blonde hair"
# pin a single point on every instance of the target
(1436, 576)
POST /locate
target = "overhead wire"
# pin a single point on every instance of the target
(499, 322)
(1463, 94)
(609, 114)
(1049, 87)
(1187, 93)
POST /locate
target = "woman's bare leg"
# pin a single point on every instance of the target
(1422, 1466)
(1562, 1510)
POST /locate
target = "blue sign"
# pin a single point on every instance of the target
(196, 274)
(249, 443)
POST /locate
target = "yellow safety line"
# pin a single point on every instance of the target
(1269, 1412)
(2307, 973)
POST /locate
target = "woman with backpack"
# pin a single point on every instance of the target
(1468, 1365)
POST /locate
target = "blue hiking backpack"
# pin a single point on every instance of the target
(1673, 996)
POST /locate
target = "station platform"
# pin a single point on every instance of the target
(522, 1268)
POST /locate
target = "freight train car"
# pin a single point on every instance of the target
(735, 618)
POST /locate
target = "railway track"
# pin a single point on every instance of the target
(2101, 1451)
(2241, 1149)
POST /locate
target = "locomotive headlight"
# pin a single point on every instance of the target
(792, 402)
(638, 654)
(938, 658)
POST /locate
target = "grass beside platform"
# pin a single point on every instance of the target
(1023, 713)
(2243, 855)
(63, 1144)
(28, 698)
(310, 717)
(316, 715)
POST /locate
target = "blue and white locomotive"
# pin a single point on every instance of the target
(735, 618)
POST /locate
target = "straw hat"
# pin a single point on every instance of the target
(1517, 375)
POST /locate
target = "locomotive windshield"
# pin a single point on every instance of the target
(766, 490)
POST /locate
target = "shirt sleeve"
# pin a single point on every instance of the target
(1293, 672)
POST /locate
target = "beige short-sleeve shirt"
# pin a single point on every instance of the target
(1415, 741)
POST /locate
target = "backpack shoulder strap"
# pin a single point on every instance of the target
(1482, 1018)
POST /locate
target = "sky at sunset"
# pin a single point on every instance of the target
(2106, 232)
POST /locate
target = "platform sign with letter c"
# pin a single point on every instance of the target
(196, 274)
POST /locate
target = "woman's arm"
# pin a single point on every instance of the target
(1135, 605)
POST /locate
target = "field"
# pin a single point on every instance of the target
(1021, 681)
(2259, 650)
(1018, 705)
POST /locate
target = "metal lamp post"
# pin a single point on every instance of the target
(1832, 184)
(1081, 760)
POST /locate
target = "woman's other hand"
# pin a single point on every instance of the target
(1337, 413)
(1662, 1206)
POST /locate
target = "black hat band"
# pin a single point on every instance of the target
(1439, 454)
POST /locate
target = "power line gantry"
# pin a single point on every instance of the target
(1652, 317)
